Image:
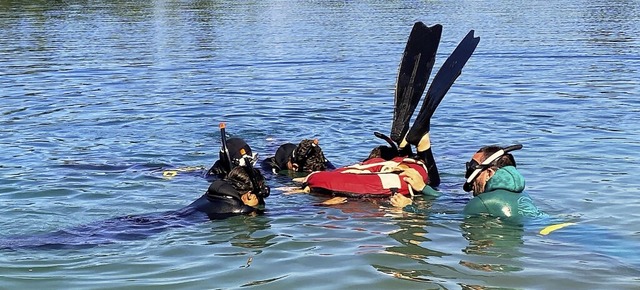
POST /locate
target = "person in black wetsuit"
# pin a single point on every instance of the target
(304, 158)
(242, 192)
(238, 151)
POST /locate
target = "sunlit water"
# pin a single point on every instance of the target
(97, 96)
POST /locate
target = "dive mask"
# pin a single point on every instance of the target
(473, 168)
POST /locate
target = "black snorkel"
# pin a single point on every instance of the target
(388, 139)
(224, 150)
(260, 191)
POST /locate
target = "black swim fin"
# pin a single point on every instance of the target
(442, 82)
(413, 75)
(447, 74)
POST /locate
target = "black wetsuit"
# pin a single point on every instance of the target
(237, 149)
(220, 201)
(217, 171)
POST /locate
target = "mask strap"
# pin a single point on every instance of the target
(252, 159)
(252, 176)
(491, 159)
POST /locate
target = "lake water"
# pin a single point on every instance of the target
(97, 95)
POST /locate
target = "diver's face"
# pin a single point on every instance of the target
(480, 181)
(292, 166)
(250, 199)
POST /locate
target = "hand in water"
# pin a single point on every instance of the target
(293, 189)
(399, 200)
(300, 179)
(335, 200)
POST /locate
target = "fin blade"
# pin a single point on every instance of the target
(413, 74)
(442, 82)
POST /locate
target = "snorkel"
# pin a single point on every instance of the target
(234, 150)
(384, 137)
(261, 192)
(224, 151)
(474, 169)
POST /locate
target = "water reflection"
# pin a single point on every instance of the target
(491, 246)
(491, 238)
(414, 250)
(246, 229)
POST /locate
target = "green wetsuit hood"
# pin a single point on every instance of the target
(504, 197)
(506, 178)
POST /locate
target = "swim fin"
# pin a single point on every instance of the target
(413, 75)
(448, 73)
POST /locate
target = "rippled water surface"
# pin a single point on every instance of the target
(98, 96)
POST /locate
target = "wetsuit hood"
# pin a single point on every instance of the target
(222, 188)
(507, 178)
(221, 200)
(282, 155)
(238, 148)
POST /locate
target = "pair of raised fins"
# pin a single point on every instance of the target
(413, 74)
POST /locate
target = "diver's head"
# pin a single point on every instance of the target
(238, 150)
(387, 152)
(308, 157)
(384, 152)
(250, 183)
(484, 164)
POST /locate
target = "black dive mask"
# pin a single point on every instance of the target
(240, 161)
(473, 168)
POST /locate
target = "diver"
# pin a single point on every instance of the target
(241, 192)
(498, 194)
(238, 150)
(497, 186)
(300, 159)
(233, 152)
